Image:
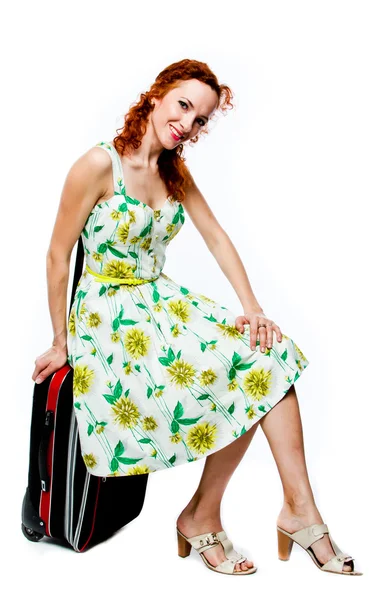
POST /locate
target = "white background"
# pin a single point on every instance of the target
(290, 174)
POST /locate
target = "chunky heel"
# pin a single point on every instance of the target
(208, 540)
(184, 547)
(284, 546)
(305, 538)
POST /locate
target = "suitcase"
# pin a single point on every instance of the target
(63, 500)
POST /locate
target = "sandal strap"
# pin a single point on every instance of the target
(229, 550)
(228, 565)
(336, 562)
(204, 541)
(306, 536)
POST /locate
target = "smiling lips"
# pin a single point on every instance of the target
(176, 135)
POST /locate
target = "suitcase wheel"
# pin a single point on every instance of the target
(30, 534)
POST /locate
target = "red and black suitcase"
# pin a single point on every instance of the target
(63, 500)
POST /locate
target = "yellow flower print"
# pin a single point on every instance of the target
(135, 239)
(206, 299)
(123, 231)
(93, 351)
(176, 438)
(232, 385)
(257, 383)
(136, 342)
(139, 470)
(201, 437)
(83, 308)
(250, 412)
(169, 228)
(158, 393)
(127, 368)
(115, 337)
(207, 377)
(112, 291)
(93, 320)
(96, 256)
(175, 330)
(118, 269)
(212, 346)
(82, 379)
(153, 454)
(132, 217)
(100, 429)
(229, 330)
(157, 307)
(182, 373)
(146, 243)
(90, 460)
(302, 357)
(149, 424)
(72, 323)
(180, 309)
(126, 412)
(115, 215)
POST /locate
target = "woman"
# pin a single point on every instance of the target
(164, 375)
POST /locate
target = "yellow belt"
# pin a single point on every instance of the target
(118, 280)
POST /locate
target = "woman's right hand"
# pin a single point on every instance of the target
(49, 362)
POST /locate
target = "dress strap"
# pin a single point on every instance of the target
(117, 167)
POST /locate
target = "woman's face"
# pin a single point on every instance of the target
(183, 111)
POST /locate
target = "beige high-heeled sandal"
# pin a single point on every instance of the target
(305, 538)
(204, 541)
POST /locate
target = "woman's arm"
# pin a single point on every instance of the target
(220, 246)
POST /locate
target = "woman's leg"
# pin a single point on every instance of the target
(203, 511)
(283, 429)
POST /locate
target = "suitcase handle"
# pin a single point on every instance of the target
(43, 451)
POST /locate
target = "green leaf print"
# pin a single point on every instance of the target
(118, 389)
(90, 429)
(127, 322)
(172, 459)
(231, 409)
(78, 405)
(119, 449)
(145, 441)
(149, 392)
(133, 254)
(116, 324)
(116, 252)
(85, 233)
(128, 461)
(178, 410)
(203, 397)
(110, 359)
(114, 465)
(244, 366)
(174, 426)
(102, 290)
(236, 358)
(102, 248)
(98, 228)
(189, 421)
(171, 355)
(109, 398)
(232, 373)
(87, 338)
(285, 354)
(184, 291)
(211, 318)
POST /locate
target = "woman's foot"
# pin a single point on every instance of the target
(190, 524)
(295, 517)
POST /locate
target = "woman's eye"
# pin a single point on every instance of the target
(202, 123)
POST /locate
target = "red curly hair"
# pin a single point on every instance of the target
(172, 169)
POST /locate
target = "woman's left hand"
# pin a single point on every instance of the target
(256, 319)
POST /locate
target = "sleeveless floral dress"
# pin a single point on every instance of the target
(162, 376)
